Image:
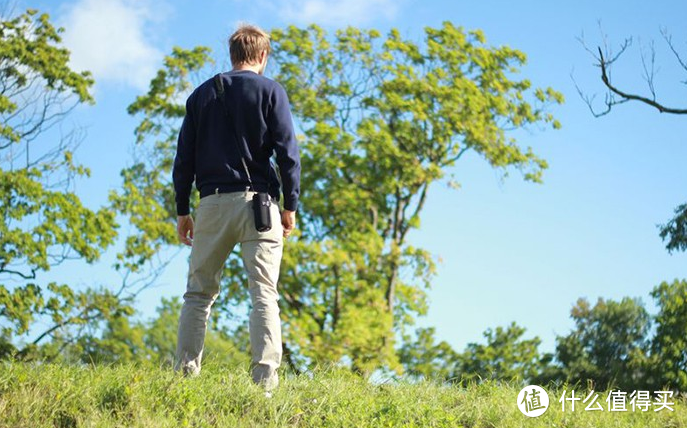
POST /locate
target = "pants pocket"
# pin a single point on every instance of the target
(206, 218)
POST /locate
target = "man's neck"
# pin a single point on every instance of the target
(254, 68)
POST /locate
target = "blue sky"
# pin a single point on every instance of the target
(513, 250)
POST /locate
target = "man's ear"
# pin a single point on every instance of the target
(263, 62)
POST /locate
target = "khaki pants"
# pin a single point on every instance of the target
(223, 220)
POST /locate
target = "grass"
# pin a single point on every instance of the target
(133, 396)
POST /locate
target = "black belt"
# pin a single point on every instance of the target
(229, 188)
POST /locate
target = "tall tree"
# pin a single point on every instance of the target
(506, 356)
(43, 222)
(608, 346)
(421, 357)
(383, 118)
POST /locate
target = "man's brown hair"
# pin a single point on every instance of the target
(247, 43)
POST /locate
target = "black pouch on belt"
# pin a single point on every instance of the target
(261, 211)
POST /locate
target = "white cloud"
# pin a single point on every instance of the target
(337, 13)
(108, 38)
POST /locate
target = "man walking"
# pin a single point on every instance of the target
(233, 124)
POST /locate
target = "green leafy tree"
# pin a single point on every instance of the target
(669, 344)
(505, 357)
(43, 222)
(383, 118)
(121, 341)
(423, 358)
(608, 345)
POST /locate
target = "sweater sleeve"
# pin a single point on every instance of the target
(280, 125)
(183, 172)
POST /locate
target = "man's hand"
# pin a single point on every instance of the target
(288, 221)
(185, 229)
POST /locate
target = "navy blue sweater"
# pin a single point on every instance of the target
(260, 118)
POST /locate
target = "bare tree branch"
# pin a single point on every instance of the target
(605, 58)
(32, 275)
(669, 40)
(650, 69)
(604, 78)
